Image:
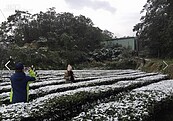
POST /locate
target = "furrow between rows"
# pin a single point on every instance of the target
(42, 107)
(45, 90)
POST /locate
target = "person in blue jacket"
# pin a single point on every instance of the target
(20, 84)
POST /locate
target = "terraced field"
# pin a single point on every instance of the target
(114, 95)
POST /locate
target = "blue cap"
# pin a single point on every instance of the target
(19, 66)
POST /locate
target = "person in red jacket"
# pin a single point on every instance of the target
(20, 84)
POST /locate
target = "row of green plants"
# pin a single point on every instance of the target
(136, 105)
(39, 91)
(79, 102)
(64, 105)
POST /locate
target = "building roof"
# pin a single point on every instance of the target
(123, 38)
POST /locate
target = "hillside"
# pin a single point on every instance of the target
(157, 65)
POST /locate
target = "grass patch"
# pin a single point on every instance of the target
(157, 65)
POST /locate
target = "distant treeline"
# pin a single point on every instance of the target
(49, 38)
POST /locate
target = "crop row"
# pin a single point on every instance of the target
(67, 100)
(39, 89)
(138, 105)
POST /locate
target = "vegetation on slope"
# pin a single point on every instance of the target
(49, 39)
(157, 65)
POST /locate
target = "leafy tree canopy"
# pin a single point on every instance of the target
(156, 28)
(50, 33)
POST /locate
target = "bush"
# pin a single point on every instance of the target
(122, 64)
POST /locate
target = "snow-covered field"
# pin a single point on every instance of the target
(96, 95)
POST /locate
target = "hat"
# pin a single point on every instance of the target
(19, 66)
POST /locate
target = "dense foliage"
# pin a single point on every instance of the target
(50, 37)
(156, 28)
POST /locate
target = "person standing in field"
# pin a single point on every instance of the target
(69, 76)
(20, 84)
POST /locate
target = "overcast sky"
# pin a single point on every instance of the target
(117, 16)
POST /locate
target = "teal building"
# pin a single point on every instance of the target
(128, 42)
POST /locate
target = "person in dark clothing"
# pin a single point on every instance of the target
(20, 84)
